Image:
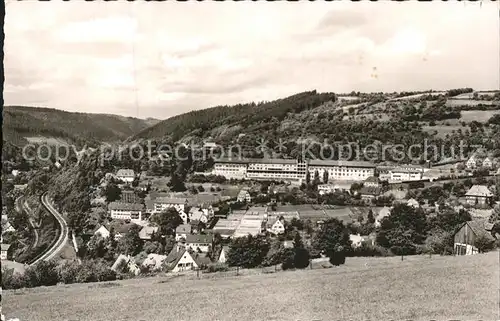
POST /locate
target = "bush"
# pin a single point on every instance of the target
(43, 273)
(216, 267)
(367, 249)
(337, 258)
(12, 280)
(288, 259)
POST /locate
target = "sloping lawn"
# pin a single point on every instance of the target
(418, 288)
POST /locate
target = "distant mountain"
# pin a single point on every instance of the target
(33, 124)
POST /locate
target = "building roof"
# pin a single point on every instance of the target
(154, 260)
(320, 162)
(183, 229)
(479, 227)
(479, 191)
(170, 200)
(370, 190)
(125, 206)
(178, 251)
(125, 172)
(146, 231)
(199, 238)
(372, 179)
(5, 247)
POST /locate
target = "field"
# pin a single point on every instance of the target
(46, 140)
(418, 288)
(481, 116)
(468, 102)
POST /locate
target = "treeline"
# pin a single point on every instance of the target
(200, 122)
(47, 273)
(79, 128)
(459, 91)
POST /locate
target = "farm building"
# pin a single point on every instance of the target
(465, 238)
(479, 195)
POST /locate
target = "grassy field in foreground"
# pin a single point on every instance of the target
(418, 288)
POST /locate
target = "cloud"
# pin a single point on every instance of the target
(157, 60)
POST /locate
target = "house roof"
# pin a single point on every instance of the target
(183, 229)
(125, 206)
(100, 228)
(320, 162)
(479, 190)
(154, 260)
(125, 172)
(372, 179)
(5, 247)
(243, 193)
(146, 231)
(199, 238)
(170, 200)
(370, 190)
(121, 228)
(479, 227)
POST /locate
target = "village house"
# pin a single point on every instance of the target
(488, 163)
(473, 162)
(182, 231)
(162, 203)
(277, 226)
(244, 196)
(413, 203)
(128, 262)
(4, 251)
(102, 231)
(223, 255)
(154, 261)
(199, 214)
(126, 175)
(147, 231)
(181, 259)
(20, 187)
(465, 238)
(479, 195)
(406, 174)
(371, 188)
(6, 226)
(201, 242)
(126, 211)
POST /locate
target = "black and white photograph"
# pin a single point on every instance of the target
(250, 160)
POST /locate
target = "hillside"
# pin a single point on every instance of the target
(418, 288)
(32, 124)
(323, 115)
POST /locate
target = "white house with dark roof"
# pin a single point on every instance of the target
(182, 259)
(413, 203)
(102, 231)
(126, 211)
(473, 162)
(244, 196)
(199, 241)
(162, 203)
(126, 175)
(479, 195)
(276, 226)
(182, 231)
(4, 251)
(488, 163)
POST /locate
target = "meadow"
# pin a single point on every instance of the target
(417, 288)
(481, 116)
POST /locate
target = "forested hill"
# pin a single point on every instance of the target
(200, 123)
(23, 124)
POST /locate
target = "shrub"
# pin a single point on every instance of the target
(216, 267)
(42, 273)
(288, 259)
(337, 258)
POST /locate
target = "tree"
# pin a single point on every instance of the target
(308, 178)
(112, 192)
(484, 243)
(301, 255)
(201, 189)
(131, 243)
(167, 221)
(332, 239)
(403, 229)
(495, 216)
(176, 183)
(325, 177)
(248, 251)
(275, 254)
(370, 217)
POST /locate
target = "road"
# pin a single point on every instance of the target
(22, 205)
(63, 236)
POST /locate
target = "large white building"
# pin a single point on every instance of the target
(126, 175)
(292, 169)
(341, 170)
(126, 211)
(162, 203)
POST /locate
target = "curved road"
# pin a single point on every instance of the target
(63, 236)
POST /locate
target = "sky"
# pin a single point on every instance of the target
(159, 59)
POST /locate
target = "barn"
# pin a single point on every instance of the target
(465, 238)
